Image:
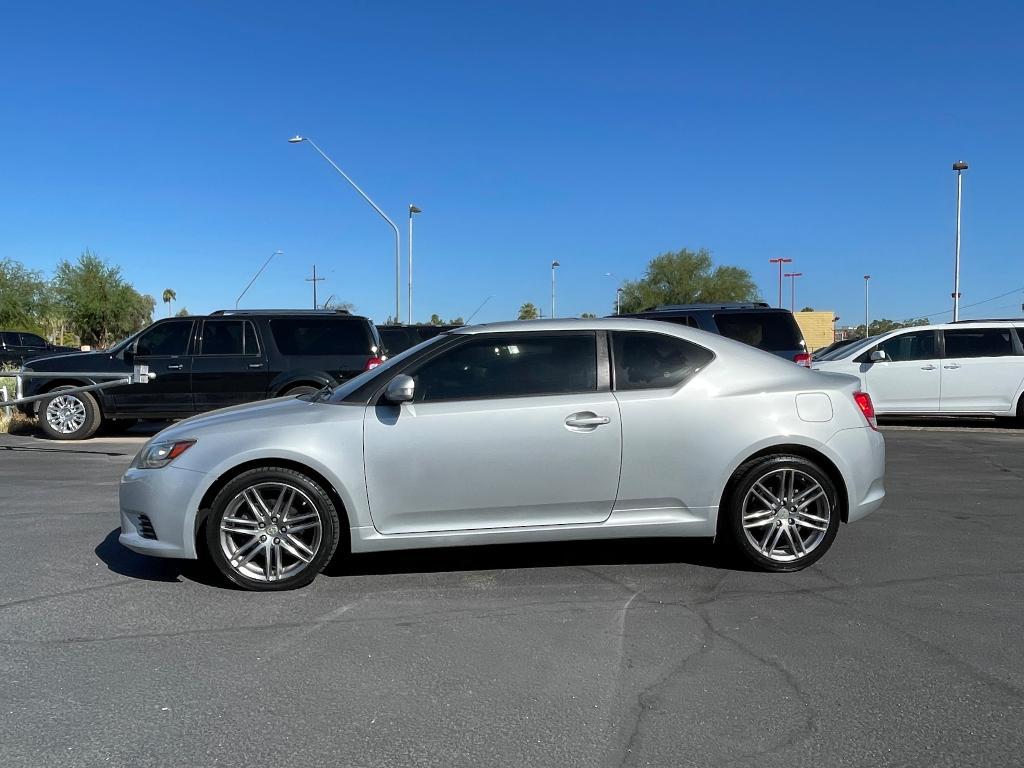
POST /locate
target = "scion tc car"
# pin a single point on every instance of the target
(517, 432)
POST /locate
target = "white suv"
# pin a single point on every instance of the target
(954, 369)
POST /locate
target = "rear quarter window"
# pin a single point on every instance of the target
(770, 331)
(320, 336)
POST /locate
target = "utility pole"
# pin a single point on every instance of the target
(314, 280)
(866, 323)
(780, 262)
(959, 166)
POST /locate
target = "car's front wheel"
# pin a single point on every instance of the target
(782, 513)
(272, 528)
(69, 415)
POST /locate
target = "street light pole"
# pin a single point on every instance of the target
(959, 166)
(780, 262)
(554, 265)
(866, 324)
(792, 289)
(398, 236)
(618, 301)
(258, 273)
(412, 210)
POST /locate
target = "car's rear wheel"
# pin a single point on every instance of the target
(69, 415)
(271, 529)
(300, 390)
(782, 513)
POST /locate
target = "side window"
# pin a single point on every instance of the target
(31, 340)
(687, 320)
(320, 336)
(511, 366)
(165, 339)
(8, 338)
(910, 346)
(223, 337)
(645, 360)
(252, 341)
(979, 342)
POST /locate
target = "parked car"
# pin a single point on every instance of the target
(203, 363)
(516, 432)
(398, 338)
(755, 323)
(835, 348)
(18, 346)
(973, 367)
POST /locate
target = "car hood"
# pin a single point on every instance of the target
(279, 413)
(77, 360)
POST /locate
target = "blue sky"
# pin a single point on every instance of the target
(599, 134)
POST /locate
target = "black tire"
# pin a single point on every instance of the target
(258, 573)
(768, 470)
(78, 409)
(302, 390)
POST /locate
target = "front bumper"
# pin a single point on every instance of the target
(168, 498)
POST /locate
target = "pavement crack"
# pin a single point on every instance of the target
(70, 592)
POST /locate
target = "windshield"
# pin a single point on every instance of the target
(123, 342)
(346, 388)
(847, 349)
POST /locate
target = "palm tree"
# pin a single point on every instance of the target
(169, 296)
(528, 311)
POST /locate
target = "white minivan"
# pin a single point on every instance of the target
(973, 367)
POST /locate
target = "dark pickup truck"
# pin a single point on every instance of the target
(203, 363)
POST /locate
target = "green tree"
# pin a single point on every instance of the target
(183, 312)
(100, 304)
(435, 319)
(884, 325)
(22, 296)
(169, 296)
(528, 312)
(807, 309)
(588, 315)
(457, 321)
(686, 277)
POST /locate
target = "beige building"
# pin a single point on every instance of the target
(818, 328)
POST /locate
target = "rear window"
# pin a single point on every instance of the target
(770, 331)
(320, 336)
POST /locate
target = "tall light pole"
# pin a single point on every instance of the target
(398, 236)
(618, 301)
(258, 273)
(554, 266)
(959, 166)
(866, 324)
(412, 210)
(780, 262)
(792, 289)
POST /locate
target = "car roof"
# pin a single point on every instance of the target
(752, 306)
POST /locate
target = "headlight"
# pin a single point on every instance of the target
(159, 455)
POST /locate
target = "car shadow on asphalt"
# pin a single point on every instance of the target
(560, 554)
(123, 561)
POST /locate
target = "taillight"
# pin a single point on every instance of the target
(863, 400)
(804, 359)
(372, 363)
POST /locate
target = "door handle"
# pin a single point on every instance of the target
(176, 367)
(585, 420)
(255, 365)
(928, 367)
(952, 367)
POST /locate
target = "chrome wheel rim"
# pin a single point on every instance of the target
(65, 414)
(786, 515)
(270, 531)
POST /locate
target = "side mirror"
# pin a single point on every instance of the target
(879, 356)
(400, 389)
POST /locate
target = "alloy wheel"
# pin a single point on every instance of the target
(786, 514)
(65, 414)
(270, 531)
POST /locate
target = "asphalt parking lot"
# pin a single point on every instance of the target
(901, 648)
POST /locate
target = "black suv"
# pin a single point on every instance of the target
(18, 346)
(754, 323)
(203, 363)
(398, 338)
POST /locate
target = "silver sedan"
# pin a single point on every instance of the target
(518, 432)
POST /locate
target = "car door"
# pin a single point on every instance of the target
(165, 347)
(33, 346)
(982, 370)
(908, 379)
(229, 366)
(504, 431)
